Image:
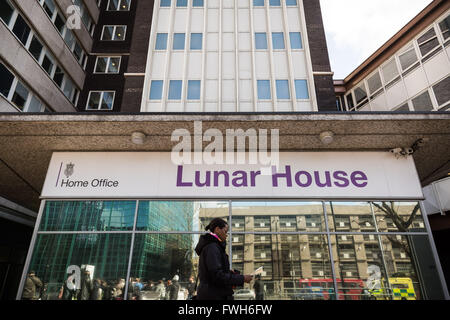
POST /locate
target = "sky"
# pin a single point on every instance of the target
(355, 29)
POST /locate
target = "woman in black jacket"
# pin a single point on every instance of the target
(216, 278)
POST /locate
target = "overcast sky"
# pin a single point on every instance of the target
(355, 29)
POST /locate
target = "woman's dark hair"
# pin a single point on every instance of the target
(216, 222)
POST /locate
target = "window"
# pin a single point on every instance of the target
(390, 71)
(181, 3)
(21, 29)
(283, 89)
(100, 100)
(6, 80)
(264, 90)
(258, 3)
(161, 41)
(20, 96)
(260, 40)
(374, 83)
(48, 64)
(291, 2)
(296, 40)
(349, 100)
(36, 48)
(119, 5)
(275, 3)
(360, 94)
(175, 87)
(278, 40)
(428, 42)
(49, 7)
(113, 33)
(58, 77)
(442, 92)
(156, 89)
(6, 11)
(197, 3)
(107, 65)
(301, 89)
(193, 90)
(179, 41)
(423, 102)
(445, 28)
(196, 41)
(165, 3)
(408, 58)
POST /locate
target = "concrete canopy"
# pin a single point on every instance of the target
(28, 140)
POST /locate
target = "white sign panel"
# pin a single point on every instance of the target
(301, 175)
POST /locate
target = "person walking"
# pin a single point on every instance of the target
(216, 278)
(259, 288)
(174, 288)
(86, 286)
(32, 288)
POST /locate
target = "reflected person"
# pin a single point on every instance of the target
(216, 278)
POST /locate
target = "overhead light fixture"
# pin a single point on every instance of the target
(327, 137)
(138, 138)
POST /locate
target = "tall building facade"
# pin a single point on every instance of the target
(93, 91)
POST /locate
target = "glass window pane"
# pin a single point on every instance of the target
(68, 88)
(350, 216)
(197, 3)
(349, 99)
(301, 89)
(276, 3)
(390, 71)
(124, 5)
(161, 41)
(442, 91)
(60, 24)
(60, 262)
(193, 90)
(58, 76)
(423, 102)
(6, 11)
(258, 3)
(181, 3)
(296, 40)
(87, 215)
(157, 259)
(175, 87)
(398, 216)
(114, 65)
(196, 41)
(20, 96)
(94, 100)
(6, 80)
(120, 33)
(178, 41)
(408, 58)
(165, 3)
(360, 94)
(445, 27)
(278, 40)
(113, 5)
(291, 2)
(374, 83)
(264, 90)
(107, 33)
(156, 90)
(294, 267)
(101, 64)
(428, 42)
(36, 48)
(47, 64)
(49, 7)
(35, 105)
(178, 215)
(21, 29)
(260, 40)
(283, 89)
(107, 101)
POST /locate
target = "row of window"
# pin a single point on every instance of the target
(402, 64)
(15, 91)
(200, 3)
(263, 89)
(196, 41)
(20, 28)
(118, 5)
(58, 20)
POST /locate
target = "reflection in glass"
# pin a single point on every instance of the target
(158, 258)
(289, 262)
(179, 215)
(57, 257)
(350, 216)
(88, 216)
(398, 216)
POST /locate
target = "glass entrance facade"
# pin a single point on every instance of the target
(308, 250)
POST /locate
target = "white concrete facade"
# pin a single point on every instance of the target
(228, 65)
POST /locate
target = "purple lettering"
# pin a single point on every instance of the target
(207, 182)
(226, 178)
(240, 179)
(327, 179)
(359, 176)
(253, 175)
(341, 176)
(308, 179)
(286, 175)
(180, 182)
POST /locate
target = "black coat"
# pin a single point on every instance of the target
(216, 279)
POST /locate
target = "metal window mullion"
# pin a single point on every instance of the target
(30, 250)
(230, 249)
(330, 251)
(130, 258)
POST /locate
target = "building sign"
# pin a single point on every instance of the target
(300, 175)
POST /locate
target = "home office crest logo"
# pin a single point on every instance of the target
(69, 169)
